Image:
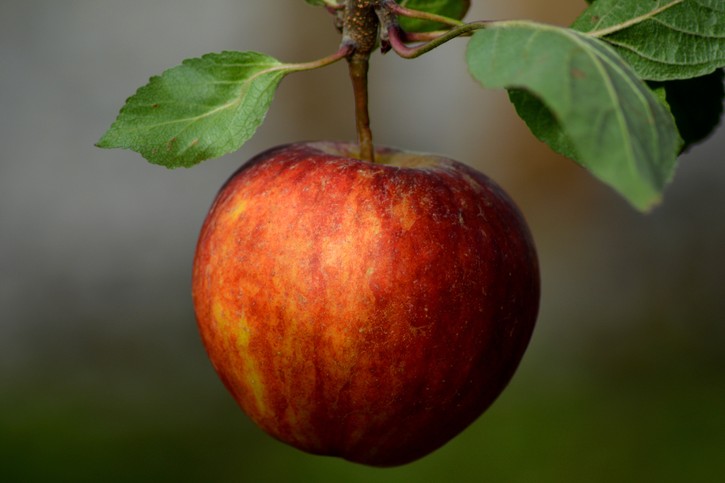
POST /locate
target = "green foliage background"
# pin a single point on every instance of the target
(102, 374)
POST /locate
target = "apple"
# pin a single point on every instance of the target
(370, 311)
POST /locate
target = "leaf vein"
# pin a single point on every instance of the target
(633, 21)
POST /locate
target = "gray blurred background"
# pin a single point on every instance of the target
(102, 374)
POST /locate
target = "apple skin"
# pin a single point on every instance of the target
(367, 311)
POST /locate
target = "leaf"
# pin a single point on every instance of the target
(204, 108)
(318, 3)
(696, 104)
(455, 9)
(542, 122)
(581, 98)
(661, 39)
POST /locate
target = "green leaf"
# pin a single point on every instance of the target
(661, 39)
(542, 122)
(455, 9)
(204, 108)
(318, 3)
(581, 98)
(696, 104)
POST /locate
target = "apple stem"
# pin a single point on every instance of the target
(360, 27)
(358, 66)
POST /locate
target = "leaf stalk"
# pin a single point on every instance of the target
(342, 52)
(399, 39)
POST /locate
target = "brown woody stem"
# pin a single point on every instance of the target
(361, 22)
(360, 30)
(358, 66)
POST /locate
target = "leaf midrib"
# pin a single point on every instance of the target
(232, 103)
(599, 61)
(634, 21)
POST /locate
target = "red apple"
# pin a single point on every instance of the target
(368, 311)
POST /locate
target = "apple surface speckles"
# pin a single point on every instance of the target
(367, 311)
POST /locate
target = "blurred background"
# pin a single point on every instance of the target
(102, 374)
